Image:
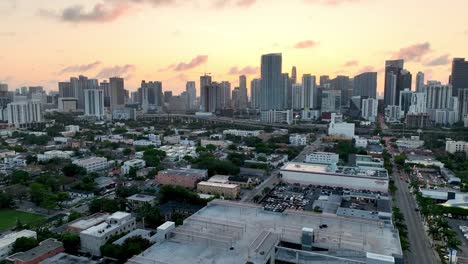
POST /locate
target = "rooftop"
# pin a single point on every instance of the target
(336, 170)
(217, 184)
(11, 238)
(44, 247)
(185, 172)
(231, 232)
(89, 222)
(64, 258)
(141, 198)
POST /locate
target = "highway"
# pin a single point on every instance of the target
(421, 251)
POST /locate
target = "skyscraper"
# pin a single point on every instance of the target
(324, 79)
(243, 92)
(94, 103)
(287, 90)
(205, 80)
(365, 84)
(406, 80)
(191, 94)
(272, 96)
(83, 84)
(223, 93)
(331, 101)
(297, 94)
(65, 89)
(392, 76)
(309, 92)
(293, 75)
(117, 92)
(342, 83)
(459, 77)
(405, 100)
(419, 82)
(3, 87)
(152, 95)
(255, 86)
(463, 103)
(105, 86)
(437, 95)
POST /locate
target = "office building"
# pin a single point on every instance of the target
(7, 241)
(331, 101)
(151, 95)
(243, 92)
(93, 164)
(167, 96)
(322, 158)
(343, 84)
(191, 90)
(369, 109)
(226, 190)
(294, 75)
(309, 91)
(298, 139)
(67, 104)
(419, 82)
(365, 84)
(405, 100)
(255, 94)
(392, 89)
(205, 81)
(117, 92)
(187, 178)
(94, 103)
(452, 146)
(297, 96)
(96, 236)
(24, 114)
(277, 116)
(392, 114)
(418, 103)
(272, 95)
(463, 103)
(438, 96)
(459, 76)
(405, 81)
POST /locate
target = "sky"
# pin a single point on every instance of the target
(175, 41)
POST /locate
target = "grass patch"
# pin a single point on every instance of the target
(8, 219)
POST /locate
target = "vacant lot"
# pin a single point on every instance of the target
(8, 219)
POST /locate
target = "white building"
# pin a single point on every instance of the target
(95, 237)
(357, 178)
(6, 242)
(322, 158)
(54, 154)
(310, 114)
(393, 113)
(173, 140)
(135, 164)
(93, 164)
(24, 114)
(67, 104)
(331, 101)
(275, 116)
(146, 143)
(297, 95)
(418, 103)
(452, 146)
(345, 130)
(410, 143)
(72, 128)
(124, 113)
(242, 133)
(360, 142)
(369, 109)
(94, 103)
(298, 140)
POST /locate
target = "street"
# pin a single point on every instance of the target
(270, 182)
(420, 246)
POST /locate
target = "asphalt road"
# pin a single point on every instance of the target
(270, 182)
(421, 251)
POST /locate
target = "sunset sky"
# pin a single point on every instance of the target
(43, 42)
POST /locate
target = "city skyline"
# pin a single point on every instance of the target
(85, 40)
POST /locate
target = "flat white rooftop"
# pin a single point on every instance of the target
(378, 173)
(11, 238)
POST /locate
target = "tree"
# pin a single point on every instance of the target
(71, 243)
(210, 147)
(5, 200)
(152, 215)
(105, 205)
(20, 177)
(400, 159)
(73, 216)
(127, 152)
(23, 244)
(72, 170)
(266, 190)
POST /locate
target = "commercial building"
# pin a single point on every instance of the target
(276, 116)
(46, 249)
(369, 109)
(357, 178)
(226, 190)
(452, 146)
(393, 87)
(82, 224)
(322, 158)
(184, 177)
(132, 164)
(7, 241)
(95, 237)
(459, 76)
(365, 84)
(138, 200)
(365, 161)
(24, 114)
(233, 232)
(54, 154)
(93, 164)
(242, 133)
(419, 82)
(412, 142)
(67, 104)
(298, 139)
(393, 114)
(331, 101)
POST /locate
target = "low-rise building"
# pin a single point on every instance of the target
(242, 133)
(184, 177)
(360, 142)
(298, 140)
(95, 237)
(138, 200)
(64, 258)
(72, 128)
(410, 143)
(172, 140)
(146, 143)
(93, 164)
(217, 143)
(226, 190)
(6, 242)
(132, 164)
(345, 130)
(452, 146)
(54, 154)
(46, 249)
(322, 158)
(86, 222)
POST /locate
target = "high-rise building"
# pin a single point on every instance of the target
(152, 95)
(406, 80)
(392, 89)
(331, 101)
(272, 96)
(418, 103)
(3, 87)
(117, 92)
(105, 86)
(324, 79)
(405, 100)
(235, 98)
(342, 83)
(365, 84)
(205, 80)
(167, 96)
(463, 103)
(297, 94)
(24, 114)
(419, 82)
(191, 91)
(309, 90)
(459, 76)
(243, 92)
(210, 92)
(35, 89)
(94, 103)
(293, 75)
(369, 109)
(65, 89)
(437, 95)
(223, 92)
(287, 90)
(255, 95)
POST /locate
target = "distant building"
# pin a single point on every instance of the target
(410, 143)
(67, 104)
(393, 87)
(132, 164)
(7, 241)
(226, 190)
(343, 129)
(417, 120)
(242, 133)
(93, 164)
(331, 101)
(123, 113)
(365, 84)
(54, 154)
(138, 200)
(187, 178)
(452, 146)
(94, 103)
(117, 92)
(369, 109)
(255, 95)
(275, 116)
(272, 96)
(419, 82)
(298, 140)
(459, 76)
(393, 114)
(25, 114)
(322, 158)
